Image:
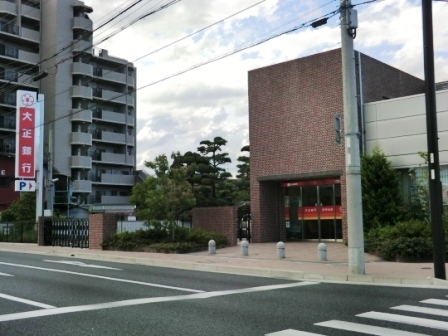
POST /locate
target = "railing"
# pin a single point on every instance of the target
(9, 28)
(18, 232)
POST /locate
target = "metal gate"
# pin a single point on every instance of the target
(72, 232)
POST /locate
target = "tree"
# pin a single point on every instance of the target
(243, 175)
(211, 149)
(205, 173)
(22, 209)
(163, 196)
(381, 199)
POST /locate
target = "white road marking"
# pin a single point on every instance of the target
(423, 310)
(4, 274)
(126, 303)
(28, 302)
(81, 264)
(406, 320)
(436, 302)
(292, 332)
(366, 329)
(103, 277)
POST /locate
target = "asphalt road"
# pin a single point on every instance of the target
(43, 295)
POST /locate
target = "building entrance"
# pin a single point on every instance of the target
(313, 210)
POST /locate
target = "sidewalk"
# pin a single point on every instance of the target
(301, 262)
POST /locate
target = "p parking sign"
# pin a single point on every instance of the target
(23, 185)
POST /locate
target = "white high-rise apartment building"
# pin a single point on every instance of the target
(90, 111)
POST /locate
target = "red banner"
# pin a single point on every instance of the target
(311, 183)
(314, 212)
(26, 127)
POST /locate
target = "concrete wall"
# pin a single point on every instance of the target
(217, 219)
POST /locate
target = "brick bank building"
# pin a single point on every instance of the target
(298, 189)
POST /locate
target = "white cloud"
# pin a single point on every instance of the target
(176, 114)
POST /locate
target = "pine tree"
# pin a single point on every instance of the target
(381, 199)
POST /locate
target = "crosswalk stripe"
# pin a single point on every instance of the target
(366, 329)
(292, 332)
(436, 302)
(406, 319)
(4, 274)
(423, 310)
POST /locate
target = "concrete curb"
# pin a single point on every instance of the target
(250, 271)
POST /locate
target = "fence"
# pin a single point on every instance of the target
(132, 226)
(71, 232)
(18, 232)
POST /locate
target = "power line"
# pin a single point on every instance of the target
(11, 88)
(243, 47)
(86, 34)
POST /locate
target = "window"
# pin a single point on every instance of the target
(4, 182)
(113, 193)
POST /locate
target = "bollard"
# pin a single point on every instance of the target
(211, 247)
(244, 248)
(280, 250)
(322, 252)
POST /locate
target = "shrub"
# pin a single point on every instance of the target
(203, 237)
(406, 241)
(409, 229)
(159, 238)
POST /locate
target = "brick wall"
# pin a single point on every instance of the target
(40, 231)
(217, 219)
(101, 227)
(7, 172)
(292, 106)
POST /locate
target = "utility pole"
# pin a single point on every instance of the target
(435, 187)
(352, 157)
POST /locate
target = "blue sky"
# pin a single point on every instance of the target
(176, 114)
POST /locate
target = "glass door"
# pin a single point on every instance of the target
(309, 211)
(326, 211)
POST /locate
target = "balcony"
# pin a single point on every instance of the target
(80, 138)
(81, 46)
(82, 186)
(21, 55)
(112, 137)
(31, 35)
(81, 115)
(108, 116)
(115, 199)
(117, 97)
(116, 159)
(130, 140)
(28, 57)
(82, 69)
(8, 122)
(117, 179)
(131, 120)
(30, 12)
(18, 77)
(81, 162)
(79, 91)
(9, 28)
(8, 98)
(82, 23)
(7, 7)
(109, 75)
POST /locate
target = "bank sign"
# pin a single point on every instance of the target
(25, 134)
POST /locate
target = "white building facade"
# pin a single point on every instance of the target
(398, 126)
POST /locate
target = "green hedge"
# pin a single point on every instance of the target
(159, 239)
(405, 241)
